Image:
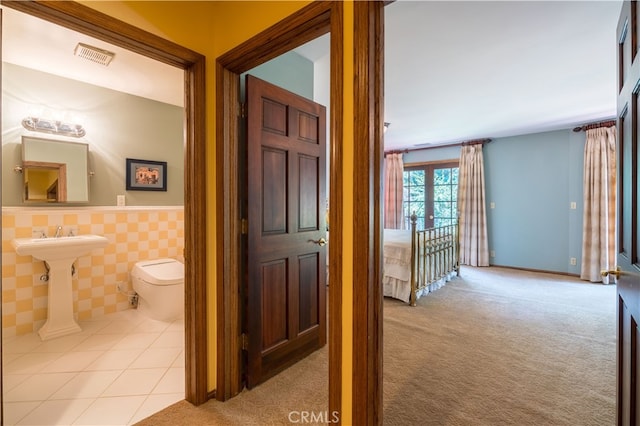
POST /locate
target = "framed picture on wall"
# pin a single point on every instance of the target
(146, 175)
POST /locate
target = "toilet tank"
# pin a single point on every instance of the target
(159, 271)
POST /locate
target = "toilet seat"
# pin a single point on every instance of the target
(160, 272)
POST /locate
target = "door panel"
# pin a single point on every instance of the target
(308, 194)
(274, 297)
(624, 363)
(274, 183)
(628, 282)
(308, 295)
(286, 179)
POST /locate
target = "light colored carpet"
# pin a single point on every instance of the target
(493, 347)
(502, 347)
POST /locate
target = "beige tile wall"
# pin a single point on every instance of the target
(134, 234)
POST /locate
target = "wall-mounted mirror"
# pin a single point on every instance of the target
(55, 171)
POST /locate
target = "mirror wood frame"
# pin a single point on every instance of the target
(59, 168)
(88, 21)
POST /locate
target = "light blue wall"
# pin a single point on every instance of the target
(432, 154)
(289, 71)
(532, 180)
(577, 142)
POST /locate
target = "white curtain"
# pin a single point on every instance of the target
(393, 171)
(474, 245)
(599, 220)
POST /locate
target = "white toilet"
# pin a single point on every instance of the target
(159, 284)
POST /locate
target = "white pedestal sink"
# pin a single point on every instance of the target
(59, 253)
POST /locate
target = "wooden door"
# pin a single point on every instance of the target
(286, 179)
(628, 284)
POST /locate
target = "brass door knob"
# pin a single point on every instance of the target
(615, 272)
(321, 242)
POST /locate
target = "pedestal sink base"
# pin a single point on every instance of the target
(59, 254)
(46, 332)
(60, 320)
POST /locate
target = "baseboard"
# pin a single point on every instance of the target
(543, 271)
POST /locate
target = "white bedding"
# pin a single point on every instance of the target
(396, 263)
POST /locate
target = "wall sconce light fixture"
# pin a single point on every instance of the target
(54, 127)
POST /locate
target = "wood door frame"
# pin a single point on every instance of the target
(88, 21)
(367, 400)
(308, 23)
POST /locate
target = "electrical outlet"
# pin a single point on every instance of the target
(573, 205)
(573, 261)
(492, 205)
(492, 253)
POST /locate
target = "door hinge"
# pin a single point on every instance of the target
(244, 341)
(244, 226)
(243, 110)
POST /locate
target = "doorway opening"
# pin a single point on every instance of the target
(88, 21)
(310, 23)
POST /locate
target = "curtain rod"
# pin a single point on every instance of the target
(469, 142)
(396, 151)
(476, 142)
(590, 126)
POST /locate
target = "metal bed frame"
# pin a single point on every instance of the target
(435, 253)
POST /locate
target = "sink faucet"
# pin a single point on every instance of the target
(58, 232)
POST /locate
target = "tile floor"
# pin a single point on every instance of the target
(121, 368)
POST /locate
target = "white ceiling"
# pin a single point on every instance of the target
(454, 70)
(37, 44)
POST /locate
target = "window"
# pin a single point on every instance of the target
(431, 192)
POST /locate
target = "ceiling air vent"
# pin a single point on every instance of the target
(94, 54)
